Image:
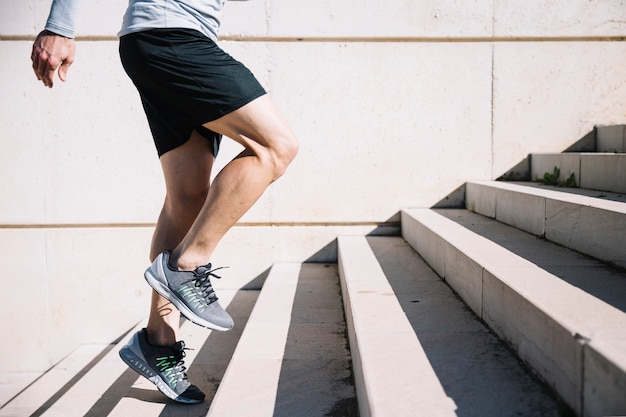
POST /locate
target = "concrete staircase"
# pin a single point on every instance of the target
(512, 306)
(406, 345)
(544, 267)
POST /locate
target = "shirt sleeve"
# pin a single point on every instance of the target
(62, 17)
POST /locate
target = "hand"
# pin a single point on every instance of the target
(52, 51)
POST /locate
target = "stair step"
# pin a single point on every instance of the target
(107, 387)
(81, 397)
(287, 355)
(49, 385)
(393, 376)
(292, 357)
(577, 219)
(593, 171)
(571, 338)
(611, 138)
(12, 383)
(206, 362)
(261, 349)
(456, 348)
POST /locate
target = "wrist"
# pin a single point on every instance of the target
(48, 32)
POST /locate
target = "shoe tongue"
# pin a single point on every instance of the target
(178, 346)
(203, 269)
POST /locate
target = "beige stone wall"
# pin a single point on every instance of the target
(396, 105)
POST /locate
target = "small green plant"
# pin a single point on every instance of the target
(552, 178)
(571, 181)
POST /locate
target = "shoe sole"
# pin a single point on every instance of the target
(138, 365)
(161, 287)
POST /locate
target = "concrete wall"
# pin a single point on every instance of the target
(395, 105)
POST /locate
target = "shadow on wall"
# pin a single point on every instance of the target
(520, 172)
(455, 199)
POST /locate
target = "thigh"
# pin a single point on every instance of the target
(257, 123)
(187, 168)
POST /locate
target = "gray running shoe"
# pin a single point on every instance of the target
(163, 366)
(190, 291)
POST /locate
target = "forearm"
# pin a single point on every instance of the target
(62, 17)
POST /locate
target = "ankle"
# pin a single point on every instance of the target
(185, 262)
(160, 341)
(160, 338)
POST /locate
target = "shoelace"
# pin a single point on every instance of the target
(173, 366)
(203, 281)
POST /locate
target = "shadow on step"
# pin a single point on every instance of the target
(592, 276)
(66, 387)
(206, 370)
(478, 372)
(316, 373)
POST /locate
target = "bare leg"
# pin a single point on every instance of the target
(195, 216)
(187, 172)
(269, 148)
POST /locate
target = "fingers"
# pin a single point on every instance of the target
(51, 52)
(63, 70)
(44, 65)
(34, 57)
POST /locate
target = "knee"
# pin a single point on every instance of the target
(283, 154)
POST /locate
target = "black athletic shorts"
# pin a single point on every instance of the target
(184, 80)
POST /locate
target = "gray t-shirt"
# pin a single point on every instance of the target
(202, 15)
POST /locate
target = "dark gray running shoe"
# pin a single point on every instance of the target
(190, 291)
(163, 366)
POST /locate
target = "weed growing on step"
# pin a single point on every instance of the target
(553, 179)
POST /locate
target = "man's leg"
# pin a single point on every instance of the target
(187, 171)
(270, 146)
